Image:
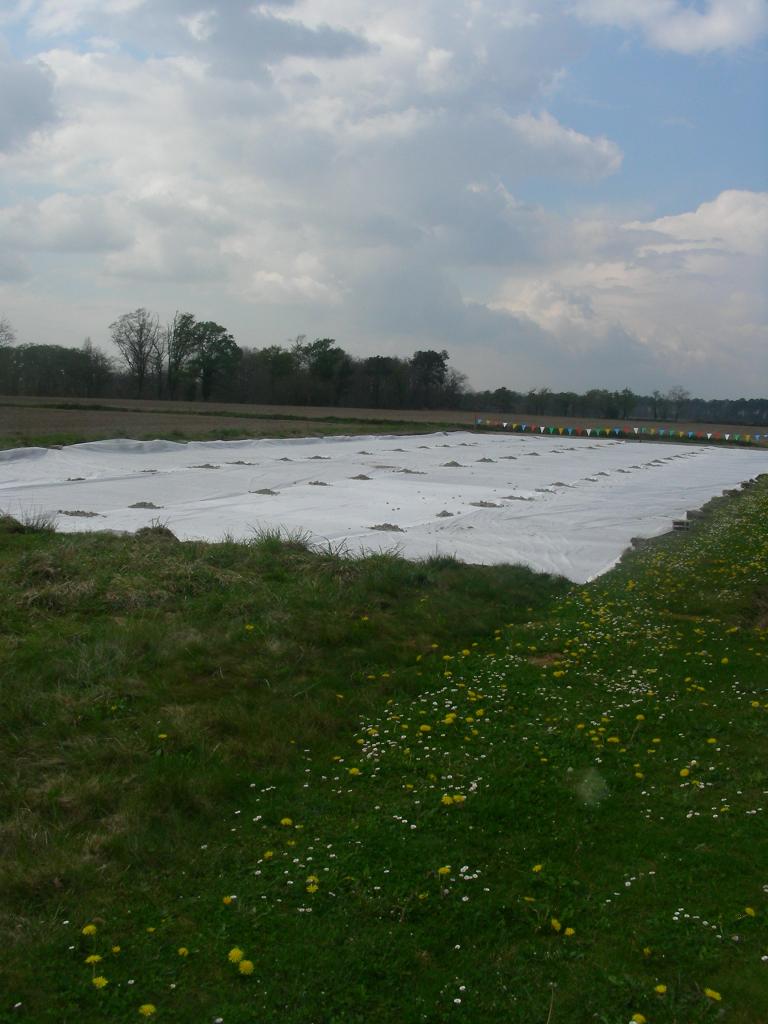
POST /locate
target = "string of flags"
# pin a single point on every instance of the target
(669, 433)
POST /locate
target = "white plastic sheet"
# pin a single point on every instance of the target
(559, 505)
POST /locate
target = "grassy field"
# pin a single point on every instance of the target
(47, 421)
(25, 425)
(253, 783)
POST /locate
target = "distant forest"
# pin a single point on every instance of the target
(189, 360)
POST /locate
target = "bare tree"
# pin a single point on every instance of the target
(135, 335)
(678, 396)
(7, 333)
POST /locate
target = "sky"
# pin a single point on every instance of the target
(560, 193)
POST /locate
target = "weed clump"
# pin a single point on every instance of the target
(156, 531)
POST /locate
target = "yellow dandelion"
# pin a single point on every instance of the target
(235, 955)
(268, 855)
(162, 735)
(90, 929)
(312, 889)
(638, 1018)
(750, 911)
(444, 870)
(287, 822)
(94, 958)
(723, 661)
(556, 926)
(537, 868)
(100, 981)
(647, 950)
(684, 773)
(245, 966)
(710, 993)
(569, 932)
(182, 951)
(116, 949)
(446, 799)
(147, 1009)
(425, 728)
(353, 771)
(661, 989)
(226, 900)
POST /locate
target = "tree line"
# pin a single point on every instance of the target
(189, 359)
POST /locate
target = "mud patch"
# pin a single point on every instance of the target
(546, 659)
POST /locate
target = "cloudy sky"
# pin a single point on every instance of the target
(562, 193)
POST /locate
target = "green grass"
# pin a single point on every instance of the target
(167, 705)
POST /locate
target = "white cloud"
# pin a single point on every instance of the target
(59, 17)
(554, 144)
(200, 25)
(684, 28)
(64, 223)
(26, 98)
(736, 221)
(689, 288)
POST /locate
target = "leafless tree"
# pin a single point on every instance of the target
(157, 359)
(7, 333)
(135, 335)
(678, 396)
